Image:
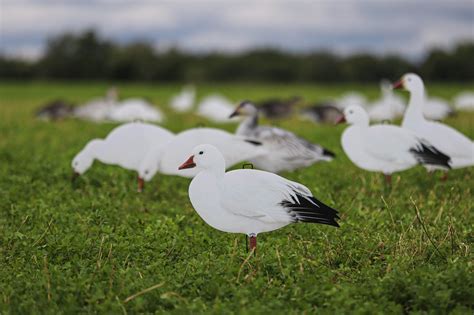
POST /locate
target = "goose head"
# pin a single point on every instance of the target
(82, 162)
(410, 82)
(147, 170)
(245, 108)
(355, 115)
(204, 156)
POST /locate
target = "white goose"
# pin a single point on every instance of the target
(235, 149)
(288, 151)
(97, 110)
(388, 107)
(135, 109)
(436, 108)
(128, 146)
(448, 140)
(464, 101)
(184, 101)
(249, 201)
(385, 148)
(350, 98)
(216, 108)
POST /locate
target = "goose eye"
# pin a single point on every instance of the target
(201, 152)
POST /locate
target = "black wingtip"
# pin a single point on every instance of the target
(309, 209)
(429, 155)
(328, 153)
(253, 142)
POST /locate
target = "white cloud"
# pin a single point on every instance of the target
(345, 26)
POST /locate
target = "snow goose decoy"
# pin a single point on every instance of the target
(350, 98)
(322, 113)
(388, 107)
(436, 108)
(135, 109)
(184, 101)
(288, 151)
(55, 110)
(277, 109)
(464, 101)
(445, 138)
(249, 201)
(215, 108)
(128, 146)
(385, 148)
(234, 148)
(97, 110)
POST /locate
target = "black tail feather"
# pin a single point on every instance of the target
(429, 155)
(309, 209)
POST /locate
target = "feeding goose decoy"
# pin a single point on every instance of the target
(55, 110)
(445, 138)
(287, 151)
(386, 148)
(249, 201)
(276, 108)
(326, 113)
(127, 146)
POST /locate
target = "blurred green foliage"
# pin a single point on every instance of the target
(87, 56)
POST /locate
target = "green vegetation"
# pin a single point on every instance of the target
(88, 56)
(100, 247)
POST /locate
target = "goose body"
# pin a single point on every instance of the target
(184, 101)
(235, 149)
(126, 146)
(464, 101)
(322, 113)
(278, 108)
(351, 98)
(436, 108)
(97, 110)
(135, 109)
(249, 201)
(287, 151)
(385, 148)
(445, 138)
(216, 108)
(388, 107)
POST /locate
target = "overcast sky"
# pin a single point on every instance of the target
(344, 26)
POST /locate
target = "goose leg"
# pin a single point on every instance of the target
(388, 179)
(253, 243)
(445, 176)
(141, 183)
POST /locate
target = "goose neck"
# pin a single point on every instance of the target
(248, 124)
(414, 111)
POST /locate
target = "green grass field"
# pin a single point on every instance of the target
(98, 246)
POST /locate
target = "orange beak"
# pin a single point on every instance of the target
(341, 120)
(188, 164)
(397, 85)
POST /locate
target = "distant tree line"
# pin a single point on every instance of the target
(87, 56)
